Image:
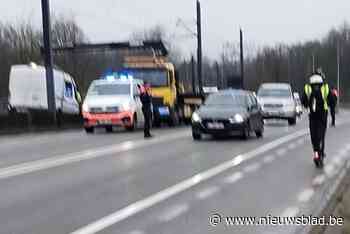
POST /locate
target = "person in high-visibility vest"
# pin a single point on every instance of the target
(316, 97)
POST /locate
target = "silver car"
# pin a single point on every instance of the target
(277, 102)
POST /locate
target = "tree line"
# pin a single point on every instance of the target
(21, 43)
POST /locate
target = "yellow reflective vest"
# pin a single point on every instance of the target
(324, 91)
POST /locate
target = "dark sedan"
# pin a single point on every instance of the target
(228, 112)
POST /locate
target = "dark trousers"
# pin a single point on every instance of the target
(318, 127)
(333, 115)
(147, 114)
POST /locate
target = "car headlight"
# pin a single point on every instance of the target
(196, 117)
(85, 107)
(236, 119)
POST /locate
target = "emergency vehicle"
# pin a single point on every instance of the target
(113, 100)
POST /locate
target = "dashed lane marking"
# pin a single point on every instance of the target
(319, 180)
(234, 178)
(208, 192)
(252, 168)
(306, 195)
(137, 232)
(173, 213)
(165, 194)
(290, 212)
(269, 159)
(292, 146)
(281, 152)
(330, 170)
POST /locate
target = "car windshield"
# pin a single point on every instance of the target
(109, 89)
(157, 78)
(278, 93)
(226, 99)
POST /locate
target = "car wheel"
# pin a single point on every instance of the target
(196, 136)
(109, 129)
(292, 121)
(89, 130)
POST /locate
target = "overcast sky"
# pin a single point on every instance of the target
(263, 21)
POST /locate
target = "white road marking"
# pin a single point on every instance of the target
(269, 159)
(343, 152)
(173, 213)
(319, 180)
(347, 147)
(329, 170)
(43, 164)
(281, 152)
(337, 161)
(252, 168)
(306, 195)
(165, 194)
(301, 141)
(137, 232)
(290, 212)
(234, 178)
(292, 146)
(206, 193)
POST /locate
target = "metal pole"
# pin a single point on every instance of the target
(50, 85)
(338, 73)
(313, 63)
(193, 75)
(199, 49)
(241, 57)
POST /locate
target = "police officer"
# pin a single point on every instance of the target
(316, 97)
(146, 99)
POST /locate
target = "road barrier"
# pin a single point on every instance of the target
(36, 120)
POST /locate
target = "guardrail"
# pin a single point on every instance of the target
(36, 120)
(3, 106)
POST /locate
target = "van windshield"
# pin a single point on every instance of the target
(109, 89)
(279, 93)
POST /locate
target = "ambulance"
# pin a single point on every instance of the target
(113, 101)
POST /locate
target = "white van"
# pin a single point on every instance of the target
(27, 87)
(113, 102)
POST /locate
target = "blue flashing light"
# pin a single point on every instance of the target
(110, 77)
(121, 75)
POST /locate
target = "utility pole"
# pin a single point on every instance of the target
(338, 72)
(193, 75)
(241, 57)
(50, 84)
(199, 48)
(313, 63)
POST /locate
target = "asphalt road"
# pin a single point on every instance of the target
(70, 182)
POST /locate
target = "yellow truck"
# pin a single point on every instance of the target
(170, 104)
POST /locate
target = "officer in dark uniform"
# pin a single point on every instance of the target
(333, 104)
(316, 97)
(146, 99)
